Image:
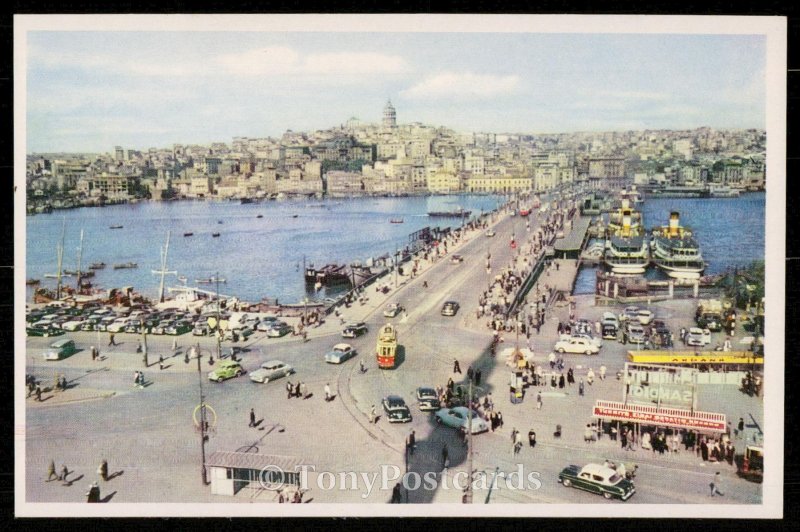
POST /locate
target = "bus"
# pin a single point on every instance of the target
(387, 347)
(702, 360)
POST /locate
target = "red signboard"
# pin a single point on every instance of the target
(620, 412)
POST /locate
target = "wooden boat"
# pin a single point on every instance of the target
(115, 227)
(32, 282)
(260, 216)
(396, 221)
(215, 234)
(97, 265)
(188, 234)
(125, 266)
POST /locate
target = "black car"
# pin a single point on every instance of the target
(396, 409)
(449, 308)
(710, 321)
(354, 329)
(427, 399)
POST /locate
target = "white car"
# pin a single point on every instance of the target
(645, 316)
(577, 345)
(271, 370)
(594, 339)
(698, 337)
(457, 417)
(629, 313)
(610, 319)
(73, 325)
(340, 353)
(490, 233)
(118, 325)
(392, 310)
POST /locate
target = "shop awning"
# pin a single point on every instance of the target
(680, 418)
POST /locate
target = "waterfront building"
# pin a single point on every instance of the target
(444, 181)
(498, 184)
(340, 183)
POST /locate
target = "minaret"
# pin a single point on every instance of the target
(389, 115)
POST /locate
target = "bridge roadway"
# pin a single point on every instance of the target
(147, 434)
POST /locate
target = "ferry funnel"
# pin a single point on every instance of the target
(626, 222)
(626, 203)
(674, 223)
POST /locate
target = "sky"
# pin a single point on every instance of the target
(88, 91)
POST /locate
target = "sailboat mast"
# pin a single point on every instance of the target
(164, 252)
(80, 252)
(60, 255)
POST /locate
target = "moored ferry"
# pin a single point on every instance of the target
(626, 249)
(676, 251)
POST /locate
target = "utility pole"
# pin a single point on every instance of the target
(219, 336)
(203, 437)
(60, 255)
(468, 492)
(396, 265)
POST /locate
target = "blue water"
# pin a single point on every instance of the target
(258, 257)
(730, 231)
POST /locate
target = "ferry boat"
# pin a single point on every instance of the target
(215, 235)
(676, 251)
(626, 250)
(329, 274)
(188, 234)
(126, 266)
(211, 280)
(458, 213)
(97, 265)
(396, 221)
(722, 191)
(617, 218)
(115, 227)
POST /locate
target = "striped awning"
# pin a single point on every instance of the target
(238, 460)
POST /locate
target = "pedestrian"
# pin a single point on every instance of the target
(38, 392)
(456, 367)
(629, 444)
(111, 339)
(304, 390)
(623, 439)
(327, 391)
(580, 387)
(252, 418)
(570, 377)
(477, 377)
(500, 419)
(51, 471)
(289, 389)
(174, 345)
(588, 434)
(141, 379)
(445, 458)
(590, 376)
(539, 400)
(102, 470)
(532, 438)
(139, 346)
(561, 381)
(602, 372)
(93, 352)
(740, 426)
(64, 473)
(373, 415)
(716, 482)
(362, 368)
(470, 373)
(297, 389)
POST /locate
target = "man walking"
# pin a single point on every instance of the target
(412, 442)
(160, 362)
(289, 389)
(327, 392)
(111, 339)
(477, 377)
(456, 367)
(51, 471)
(470, 373)
(539, 400)
(252, 418)
(716, 482)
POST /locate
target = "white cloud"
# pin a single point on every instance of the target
(261, 61)
(462, 85)
(355, 63)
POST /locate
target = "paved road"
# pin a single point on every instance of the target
(147, 434)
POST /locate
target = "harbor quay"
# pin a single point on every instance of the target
(515, 298)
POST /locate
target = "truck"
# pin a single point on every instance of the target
(709, 314)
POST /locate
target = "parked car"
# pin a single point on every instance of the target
(427, 400)
(645, 316)
(396, 409)
(698, 337)
(490, 233)
(118, 325)
(271, 370)
(43, 328)
(73, 325)
(201, 329)
(279, 329)
(710, 321)
(629, 313)
(598, 479)
(227, 369)
(241, 333)
(134, 326)
(457, 417)
(450, 308)
(609, 331)
(104, 323)
(609, 319)
(633, 333)
(577, 345)
(392, 310)
(161, 327)
(353, 330)
(179, 327)
(340, 353)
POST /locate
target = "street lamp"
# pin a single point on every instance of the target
(196, 352)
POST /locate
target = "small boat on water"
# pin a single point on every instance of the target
(215, 235)
(188, 234)
(210, 280)
(126, 266)
(396, 221)
(55, 275)
(219, 221)
(97, 265)
(182, 278)
(32, 282)
(90, 273)
(115, 227)
(458, 213)
(260, 216)
(294, 216)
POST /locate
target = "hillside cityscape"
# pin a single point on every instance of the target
(385, 158)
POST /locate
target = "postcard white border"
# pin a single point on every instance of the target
(775, 28)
